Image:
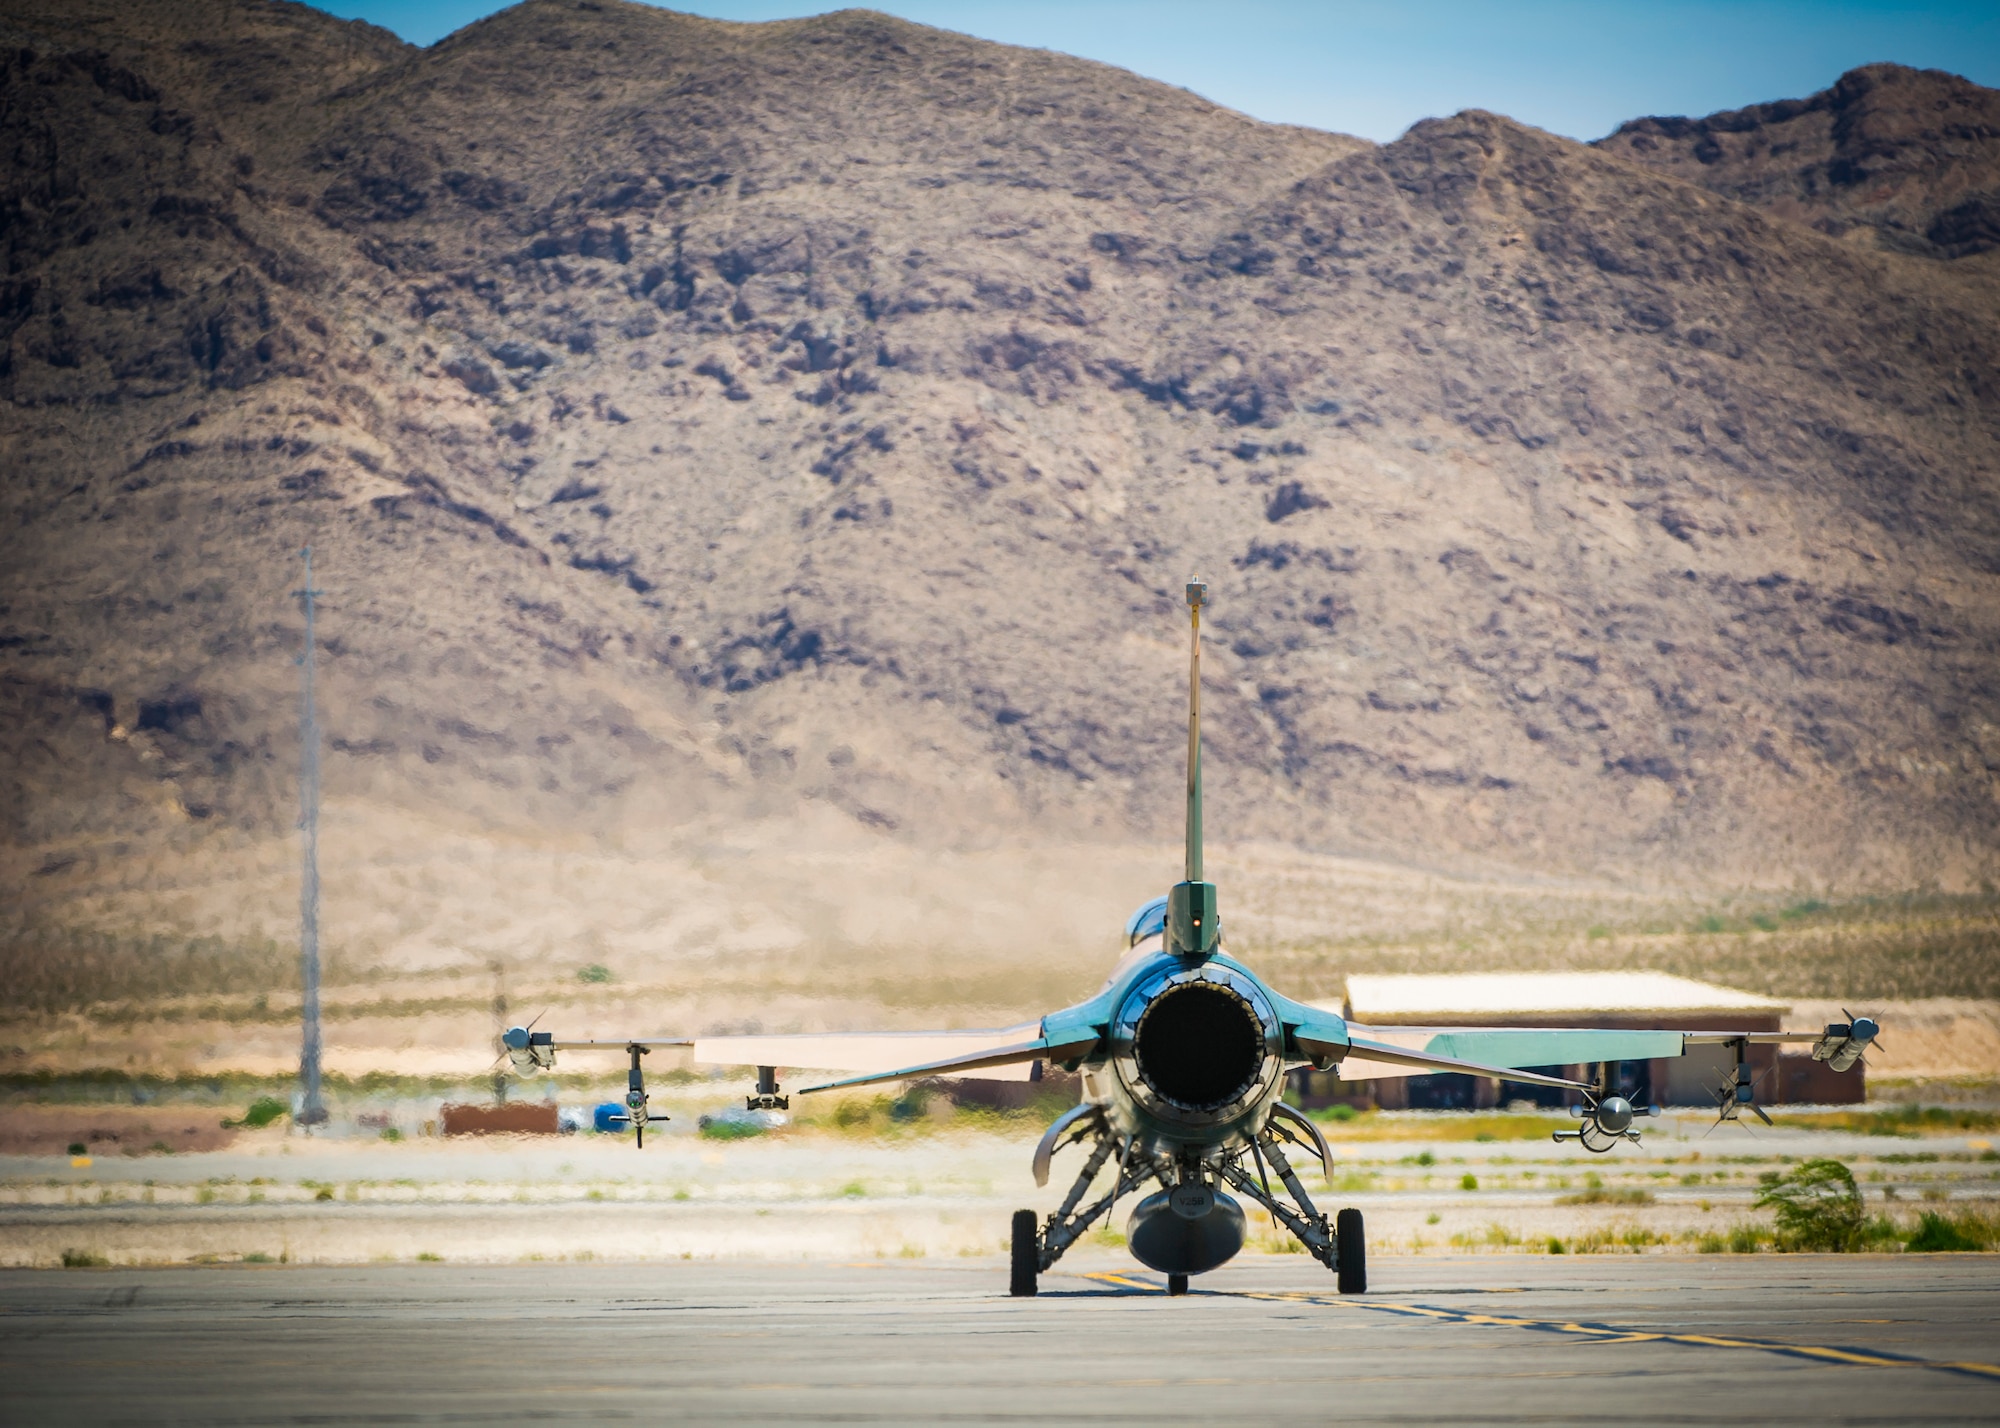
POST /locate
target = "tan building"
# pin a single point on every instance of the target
(1648, 1000)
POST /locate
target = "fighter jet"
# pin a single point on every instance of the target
(1183, 1056)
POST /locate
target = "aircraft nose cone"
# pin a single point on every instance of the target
(1614, 1113)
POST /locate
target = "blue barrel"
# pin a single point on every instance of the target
(609, 1117)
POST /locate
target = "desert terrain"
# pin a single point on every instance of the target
(751, 470)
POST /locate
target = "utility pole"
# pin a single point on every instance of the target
(311, 1109)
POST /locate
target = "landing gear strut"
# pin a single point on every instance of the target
(1339, 1246)
(1036, 1251)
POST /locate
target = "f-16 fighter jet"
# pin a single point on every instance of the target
(1183, 1054)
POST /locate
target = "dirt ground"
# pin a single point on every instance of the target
(31, 1130)
(926, 1190)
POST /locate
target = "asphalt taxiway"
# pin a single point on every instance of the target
(1447, 1340)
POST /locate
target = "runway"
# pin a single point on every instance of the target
(1447, 1340)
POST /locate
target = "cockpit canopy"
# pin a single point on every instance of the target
(1149, 921)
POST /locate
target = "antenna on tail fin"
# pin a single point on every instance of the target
(1192, 924)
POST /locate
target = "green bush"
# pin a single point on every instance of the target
(1817, 1207)
(1937, 1233)
(262, 1112)
(595, 972)
(83, 1259)
(713, 1129)
(1468, 1181)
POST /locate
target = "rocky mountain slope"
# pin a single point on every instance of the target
(696, 422)
(1907, 158)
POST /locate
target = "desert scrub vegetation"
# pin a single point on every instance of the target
(1943, 1231)
(1602, 1195)
(1817, 1206)
(1916, 944)
(262, 1112)
(52, 970)
(1910, 1120)
(229, 1088)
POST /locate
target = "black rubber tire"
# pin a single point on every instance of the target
(1027, 1260)
(1176, 1284)
(1350, 1253)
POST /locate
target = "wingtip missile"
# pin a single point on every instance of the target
(1842, 1043)
(530, 1051)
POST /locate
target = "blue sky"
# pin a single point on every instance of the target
(1374, 67)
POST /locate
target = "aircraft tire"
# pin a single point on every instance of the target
(1027, 1259)
(1176, 1284)
(1350, 1253)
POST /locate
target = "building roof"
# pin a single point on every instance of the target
(1483, 995)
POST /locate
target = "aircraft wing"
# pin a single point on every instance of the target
(1017, 1056)
(880, 1052)
(1380, 1052)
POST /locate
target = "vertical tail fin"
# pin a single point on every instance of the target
(1193, 926)
(1197, 596)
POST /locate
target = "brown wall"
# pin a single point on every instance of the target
(520, 1118)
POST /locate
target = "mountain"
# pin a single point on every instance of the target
(698, 423)
(1909, 159)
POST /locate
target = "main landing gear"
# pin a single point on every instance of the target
(1340, 1245)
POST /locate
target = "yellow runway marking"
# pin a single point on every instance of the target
(1596, 1333)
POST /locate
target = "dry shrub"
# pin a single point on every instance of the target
(48, 970)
